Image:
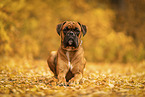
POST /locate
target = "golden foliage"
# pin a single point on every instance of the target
(31, 78)
(28, 28)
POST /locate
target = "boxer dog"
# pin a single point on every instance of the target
(68, 62)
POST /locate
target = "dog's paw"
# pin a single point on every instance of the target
(62, 83)
(73, 82)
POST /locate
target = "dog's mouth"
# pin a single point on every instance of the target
(70, 43)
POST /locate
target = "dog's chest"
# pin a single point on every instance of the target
(70, 66)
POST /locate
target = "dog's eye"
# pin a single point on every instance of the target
(65, 30)
(77, 31)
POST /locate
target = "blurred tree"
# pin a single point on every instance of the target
(130, 15)
(28, 28)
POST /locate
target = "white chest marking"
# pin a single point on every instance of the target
(69, 64)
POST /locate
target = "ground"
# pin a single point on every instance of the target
(23, 77)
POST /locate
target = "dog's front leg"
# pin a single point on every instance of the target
(62, 71)
(76, 79)
(61, 79)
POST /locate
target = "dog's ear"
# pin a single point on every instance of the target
(59, 27)
(83, 28)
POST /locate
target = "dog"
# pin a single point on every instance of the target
(68, 62)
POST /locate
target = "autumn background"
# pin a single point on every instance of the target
(114, 41)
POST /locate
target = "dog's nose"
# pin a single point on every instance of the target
(71, 33)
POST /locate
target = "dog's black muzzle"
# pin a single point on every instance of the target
(70, 40)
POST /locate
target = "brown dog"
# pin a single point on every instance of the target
(68, 62)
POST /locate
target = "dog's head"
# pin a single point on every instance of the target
(71, 33)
